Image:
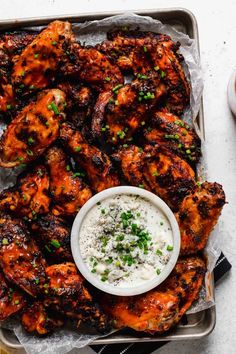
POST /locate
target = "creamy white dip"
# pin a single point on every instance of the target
(125, 240)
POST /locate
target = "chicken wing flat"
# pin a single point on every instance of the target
(67, 294)
(198, 214)
(140, 52)
(160, 309)
(35, 319)
(11, 300)
(122, 112)
(30, 196)
(20, 259)
(157, 169)
(36, 66)
(69, 192)
(99, 169)
(33, 129)
(93, 68)
(169, 130)
(52, 233)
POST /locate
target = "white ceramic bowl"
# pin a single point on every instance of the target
(109, 288)
(231, 91)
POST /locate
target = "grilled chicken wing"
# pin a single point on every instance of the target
(36, 66)
(30, 196)
(33, 130)
(20, 258)
(67, 294)
(35, 319)
(97, 164)
(158, 310)
(198, 214)
(69, 192)
(141, 53)
(52, 233)
(11, 300)
(122, 112)
(157, 169)
(93, 68)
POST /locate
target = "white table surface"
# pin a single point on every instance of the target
(217, 30)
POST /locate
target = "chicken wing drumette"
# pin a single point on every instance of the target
(35, 68)
(167, 129)
(11, 300)
(66, 293)
(20, 259)
(30, 196)
(33, 129)
(97, 165)
(198, 214)
(52, 233)
(157, 169)
(69, 192)
(160, 309)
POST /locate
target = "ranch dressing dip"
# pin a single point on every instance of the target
(125, 240)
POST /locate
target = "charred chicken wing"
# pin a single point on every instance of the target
(37, 65)
(30, 196)
(157, 169)
(11, 300)
(20, 258)
(68, 191)
(198, 214)
(33, 130)
(99, 169)
(52, 233)
(35, 319)
(67, 294)
(158, 310)
(169, 130)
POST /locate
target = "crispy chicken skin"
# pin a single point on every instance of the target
(14, 42)
(169, 130)
(52, 233)
(30, 196)
(198, 214)
(69, 192)
(33, 129)
(7, 98)
(36, 67)
(158, 310)
(92, 67)
(97, 165)
(120, 113)
(141, 53)
(11, 300)
(20, 258)
(157, 169)
(35, 319)
(67, 294)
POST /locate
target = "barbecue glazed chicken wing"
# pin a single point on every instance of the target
(35, 319)
(92, 67)
(52, 233)
(157, 169)
(198, 214)
(67, 294)
(97, 165)
(69, 192)
(35, 68)
(168, 130)
(142, 52)
(158, 310)
(20, 259)
(33, 130)
(11, 300)
(30, 196)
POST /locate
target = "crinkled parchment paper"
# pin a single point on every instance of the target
(91, 33)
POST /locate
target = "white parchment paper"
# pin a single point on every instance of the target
(91, 33)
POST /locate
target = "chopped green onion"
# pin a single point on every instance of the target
(107, 79)
(163, 74)
(158, 271)
(155, 173)
(30, 140)
(54, 108)
(156, 68)
(78, 148)
(169, 248)
(16, 302)
(5, 241)
(36, 55)
(30, 152)
(117, 87)
(145, 49)
(67, 167)
(55, 243)
(54, 43)
(159, 252)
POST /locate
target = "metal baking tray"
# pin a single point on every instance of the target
(195, 325)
